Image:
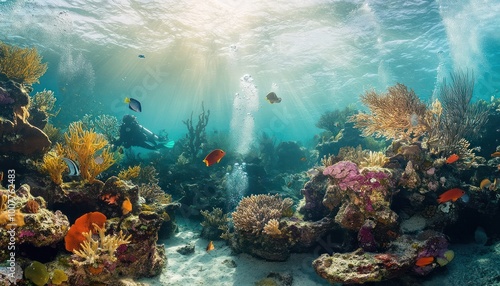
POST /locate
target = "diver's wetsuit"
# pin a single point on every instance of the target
(134, 134)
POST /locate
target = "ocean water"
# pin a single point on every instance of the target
(316, 55)
(227, 55)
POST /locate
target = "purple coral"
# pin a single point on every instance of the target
(366, 238)
(346, 173)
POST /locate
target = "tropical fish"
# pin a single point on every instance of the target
(210, 246)
(214, 157)
(273, 98)
(110, 199)
(424, 261)
(126, 206)
(452, 159)
(485, 184)
(141, 56)
(72, 166)
(133, 104)
(495, 154)
(451, 195)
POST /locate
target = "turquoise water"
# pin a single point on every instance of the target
(316, 55)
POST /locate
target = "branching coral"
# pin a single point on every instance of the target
(374, 160)
(107, 125)
(130, 173)
(334, 121)
(22, 65)
(44, 101)
(272, 227)
(94, 252)
(84, 146)
(53, 164)
(214, 224)
(398, 114)
(254, 212)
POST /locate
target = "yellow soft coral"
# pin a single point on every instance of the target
(22, 65)
(54, 165)
(130, 173)
(84, 146)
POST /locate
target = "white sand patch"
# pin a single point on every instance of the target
(214, 268)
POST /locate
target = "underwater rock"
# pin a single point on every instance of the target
(296, 235)
(37, 226)
(16, 133)
(359, 267)
(290, 156)
(313, 207)
(186, 249)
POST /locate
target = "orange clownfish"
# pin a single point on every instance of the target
(424, 261)
(451, 195)
(210, 246)
(214, 157)
(452, 159)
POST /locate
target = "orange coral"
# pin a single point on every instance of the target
(75, 237)
(83, 147)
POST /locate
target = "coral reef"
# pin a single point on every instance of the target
(83, 146)
(95, 252)
(363, 194)
(359, 267)
(34, 224)
(254, 212)
(214, 223)
(23, 65)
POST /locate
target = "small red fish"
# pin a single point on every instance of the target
(452, 159)
(214, 157)
(451, 195)
(210, 246)
(424, 261)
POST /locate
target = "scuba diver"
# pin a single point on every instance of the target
(134, 134)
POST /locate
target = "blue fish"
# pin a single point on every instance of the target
(133, 104)
(72, 166)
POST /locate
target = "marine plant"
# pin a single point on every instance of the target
(254, 212)
(23, 65)
(335, 120)
(461, 118)
(196, 135)
(84, 146)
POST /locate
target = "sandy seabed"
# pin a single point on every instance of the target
(473, 265)
(220, 267)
